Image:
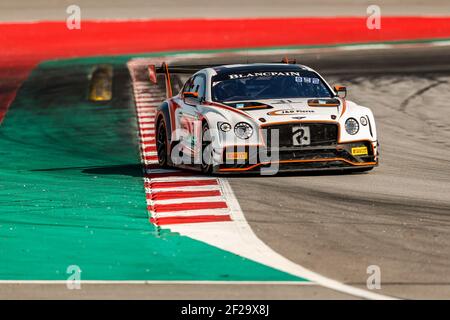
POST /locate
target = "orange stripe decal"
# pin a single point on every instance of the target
(168, 83)
(344, 107)
(300, 161)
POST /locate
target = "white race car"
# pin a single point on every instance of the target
(268, 117)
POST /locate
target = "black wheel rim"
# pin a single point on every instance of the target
(161, 145)
(206, 142)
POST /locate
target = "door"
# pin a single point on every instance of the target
(188, 119)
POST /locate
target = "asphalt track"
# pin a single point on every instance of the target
(395, 217)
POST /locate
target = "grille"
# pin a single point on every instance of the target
(321, 134)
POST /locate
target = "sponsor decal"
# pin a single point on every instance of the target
(307, 80)
(236, 155)
(297, 75)
(289, 112)
(266, 74)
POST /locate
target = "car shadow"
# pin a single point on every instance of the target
(136, 170)
(292, 174)
(131, 170)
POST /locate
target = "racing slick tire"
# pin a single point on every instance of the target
(207, 156)
(161, 145)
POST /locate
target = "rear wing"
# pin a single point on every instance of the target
(167, 71)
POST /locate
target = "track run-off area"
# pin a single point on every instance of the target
(79, 186)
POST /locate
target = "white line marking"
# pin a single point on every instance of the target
(174, 178)
(150, 162)
(441, 43)
(147, 145)
(269, 257)
(190, 213)
(146, 126)
(150, 115)
(238, 237)
(150, 154)
(187, 200)
(146, 107)
(150, 132)
(365, 47)
(144, 95)
(141, 85)
(182, 189)
(155, 99)
(159, 282)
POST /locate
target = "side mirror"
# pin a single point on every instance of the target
(191, 97)
(341, 91)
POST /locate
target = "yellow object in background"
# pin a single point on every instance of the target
(100, 88)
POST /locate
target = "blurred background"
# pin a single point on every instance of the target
(29, 10)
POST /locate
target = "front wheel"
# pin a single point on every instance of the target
(207, 150)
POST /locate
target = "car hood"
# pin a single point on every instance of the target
(286, 110)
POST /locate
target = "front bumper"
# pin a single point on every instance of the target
(330, 157)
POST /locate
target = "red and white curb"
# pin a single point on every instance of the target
(201, 207)
(173, 196)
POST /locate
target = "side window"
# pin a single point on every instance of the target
(198, 85)
(188, 85)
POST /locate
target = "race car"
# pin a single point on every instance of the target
(262, 117)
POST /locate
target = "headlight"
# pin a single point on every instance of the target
(224, 126)
(243, 130)
(351, 126)
(363, 121)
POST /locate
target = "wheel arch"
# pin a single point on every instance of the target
(163, 114)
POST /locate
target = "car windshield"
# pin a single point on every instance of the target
(274, 84)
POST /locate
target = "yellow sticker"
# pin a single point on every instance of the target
(359, 151)
(237, 155)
